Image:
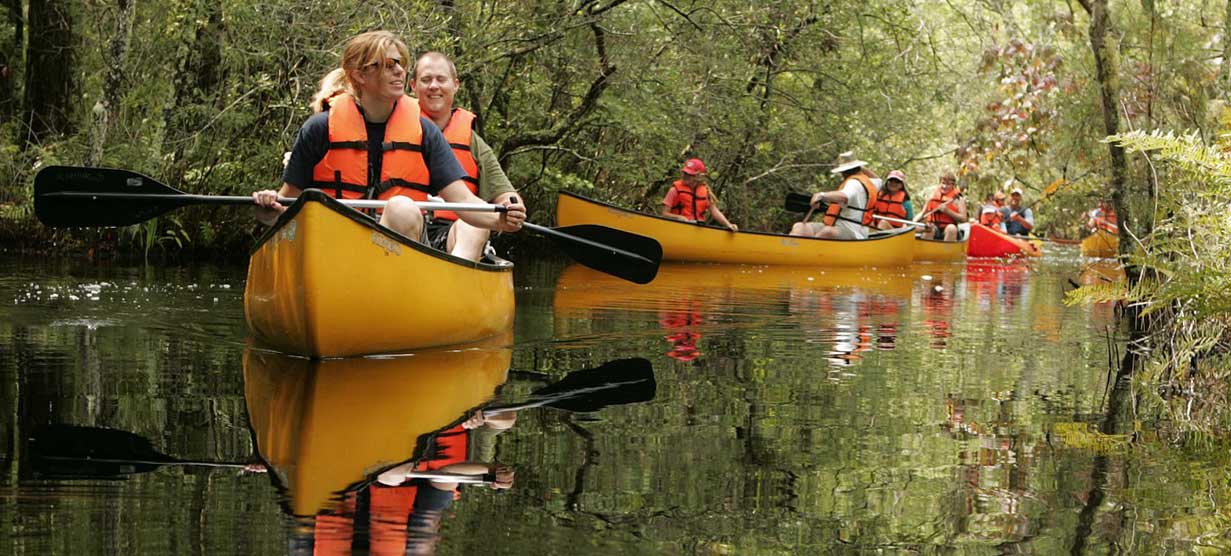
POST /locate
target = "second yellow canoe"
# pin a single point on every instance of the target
(691, 242)
(1101, 244)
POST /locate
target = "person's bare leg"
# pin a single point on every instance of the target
(951, 232)
(467, 241)
(403, 216)
(828, 232)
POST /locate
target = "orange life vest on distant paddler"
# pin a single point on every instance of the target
(939, 198)
(892, 205)
(690, 203)
(1107, 221)
(344, 169)
(459, 132)
(833, 213)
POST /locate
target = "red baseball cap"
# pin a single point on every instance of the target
(694, 166)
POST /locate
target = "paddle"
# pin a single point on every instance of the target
(799, 202)
(70, 196)
(623, 381)
(77, 452)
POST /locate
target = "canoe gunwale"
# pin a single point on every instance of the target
(318, 196)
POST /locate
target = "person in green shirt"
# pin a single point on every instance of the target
(435, 84)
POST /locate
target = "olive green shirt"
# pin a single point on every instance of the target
(492, 181)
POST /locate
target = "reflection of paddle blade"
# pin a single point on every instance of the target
(77, 452)
(70, 451)
(623, 381)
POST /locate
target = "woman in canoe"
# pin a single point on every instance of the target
(893, 201)
(690, 199)
(336, 148)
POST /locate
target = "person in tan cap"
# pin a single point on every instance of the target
(690, 199)
(893, 201)
(848, 211)
(1018, 220)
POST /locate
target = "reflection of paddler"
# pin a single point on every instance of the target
(325, 425)
(681, 327)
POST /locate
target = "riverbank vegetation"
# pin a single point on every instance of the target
(607, 98)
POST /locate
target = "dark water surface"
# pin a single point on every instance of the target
(928, 409)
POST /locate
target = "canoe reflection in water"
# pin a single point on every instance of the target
(851, 309)
(370, 452)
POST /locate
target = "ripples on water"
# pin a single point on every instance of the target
(797, 410)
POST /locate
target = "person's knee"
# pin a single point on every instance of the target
(403, 216)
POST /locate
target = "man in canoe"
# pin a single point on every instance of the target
(342, 150)
(690, 199)
(893, 201)
(946, 209)
(1103, 218)
(1018, 220)
(848, 214)
(435, 84)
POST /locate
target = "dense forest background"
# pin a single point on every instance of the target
(1073, 101)
(607, 98)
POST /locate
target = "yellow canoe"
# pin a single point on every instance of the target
(328, 281)
(324, 426)
(1102, 244)
(690, 242)
(939, 251)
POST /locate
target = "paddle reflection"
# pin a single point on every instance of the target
(850, 311)
(371, 452)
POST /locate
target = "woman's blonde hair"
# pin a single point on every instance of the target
(361, 51)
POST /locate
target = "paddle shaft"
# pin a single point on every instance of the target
(556, 234)
(429, 475)
(191, 199)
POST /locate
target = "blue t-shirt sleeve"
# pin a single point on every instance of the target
(910, 210)
(443, 166)
(309, 149)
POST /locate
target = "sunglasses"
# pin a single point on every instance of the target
(389, 64)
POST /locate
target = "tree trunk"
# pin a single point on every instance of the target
(10, 59)
(1109, 85)
(113, 88)
(1226, 54)
(51, 84)
(200, 75)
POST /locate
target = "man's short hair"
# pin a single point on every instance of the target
(434, 54)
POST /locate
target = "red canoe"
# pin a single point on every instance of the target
(986, 242)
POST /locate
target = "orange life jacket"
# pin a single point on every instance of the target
(1107, 221)
(833, 213)
(458, 133)
(344, 169)
(388, 509)
(991, 219)
(690, 203)
(937, 217)
(892, 205)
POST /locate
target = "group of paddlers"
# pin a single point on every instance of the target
(863, 202)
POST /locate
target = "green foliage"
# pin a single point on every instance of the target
(1186, 272)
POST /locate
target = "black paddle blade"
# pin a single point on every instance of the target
(62, 197)
(638, 263)
(798, 202)
(71, 451)
(623, 381)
